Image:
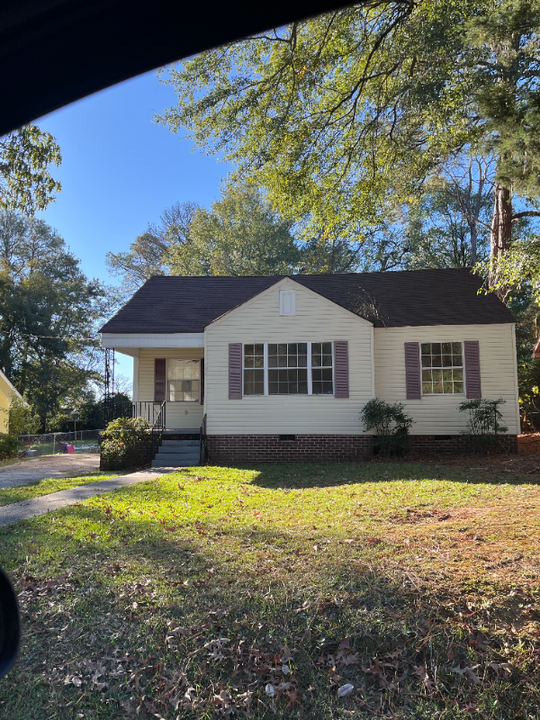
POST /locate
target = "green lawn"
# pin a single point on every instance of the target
(50, 485)
(259, 592)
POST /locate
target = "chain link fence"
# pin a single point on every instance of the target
(61, 442)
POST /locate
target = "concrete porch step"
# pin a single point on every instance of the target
(174, 462)
(180, 444)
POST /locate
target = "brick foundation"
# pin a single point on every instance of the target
(223, 449)
(458, 444)
(227, 449)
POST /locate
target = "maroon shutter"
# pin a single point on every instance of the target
(159, 379)
(201, 382)
(235, 371)
(472, 369)
(413, 383)
(341, 369)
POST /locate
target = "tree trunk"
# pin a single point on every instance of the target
(501, 234)
(501, 224)
(474, 242)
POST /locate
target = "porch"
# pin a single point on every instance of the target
(178, 418)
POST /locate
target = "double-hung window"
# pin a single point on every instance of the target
(183, 380)
(288, 369)
(442, 368)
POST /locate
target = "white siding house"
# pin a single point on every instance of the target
(280, 368)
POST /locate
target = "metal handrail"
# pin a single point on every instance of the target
(158, 427)
(146, 409)
(202, 442)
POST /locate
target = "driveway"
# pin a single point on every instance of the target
(49, 466)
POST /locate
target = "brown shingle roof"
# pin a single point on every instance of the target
(179, 304)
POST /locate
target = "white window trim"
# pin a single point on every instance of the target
(309, 369)
(443, 394)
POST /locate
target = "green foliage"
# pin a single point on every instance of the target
(48, 315)
(346, 115)
(390, 424)
(90, 413)
(239, 235)
(485, 421)
(123, 443)
(25, 182)
(9, 446)
(22, 418)
(148, 254)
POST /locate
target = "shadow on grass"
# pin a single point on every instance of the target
(313, 475)
(123, 615)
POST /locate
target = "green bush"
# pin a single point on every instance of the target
(124, 443)
(22, 419)
(390, 424)
(485, 422)
(10, 447)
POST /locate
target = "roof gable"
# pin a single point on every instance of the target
(284, 282)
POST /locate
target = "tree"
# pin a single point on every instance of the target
(148, 254)
(22, 419)
(449, 225)
(239, 235)
(347, 115)
(25, 182)
(48, 315)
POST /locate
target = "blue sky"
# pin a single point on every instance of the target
(119, 172)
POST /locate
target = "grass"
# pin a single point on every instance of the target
(259, 592)
(50, 485)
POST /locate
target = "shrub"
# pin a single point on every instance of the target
(124, 443)
(22, 418)
(391, 426)
(485, 422)
(10, 447)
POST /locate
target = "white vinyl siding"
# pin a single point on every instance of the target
(438, 414)
(316, 320)
(179, 414)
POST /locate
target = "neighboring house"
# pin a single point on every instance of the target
(6, 393)
(282, 366)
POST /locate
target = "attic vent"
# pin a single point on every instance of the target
(287, 438)
(287, 302)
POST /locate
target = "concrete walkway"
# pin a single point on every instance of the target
(25, 509)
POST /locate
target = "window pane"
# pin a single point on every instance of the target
(458, 374)
(435, 348)
(456, 348)
(426, 360)
(447, 360)
(315, 360)
(458, 387)
(436, 360)
(446, 348)
(253, 382)
(427, 376)
(426, 348)
(427, 388)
